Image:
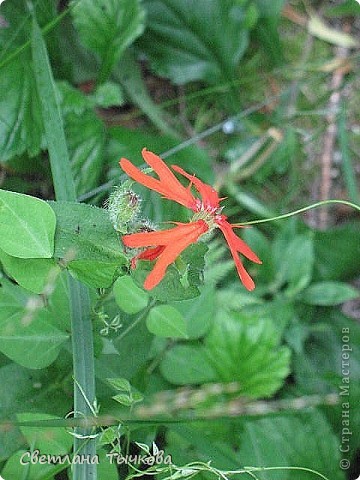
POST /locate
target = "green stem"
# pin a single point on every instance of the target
(82, 337)
(295, 212)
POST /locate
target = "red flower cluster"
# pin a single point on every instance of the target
(165, 246)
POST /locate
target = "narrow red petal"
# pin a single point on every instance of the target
(167, 184)
(209, 195)
(172, 251)
(237, 245)
(234, 241)
(162, 237)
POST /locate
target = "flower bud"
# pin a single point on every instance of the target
(123, 206)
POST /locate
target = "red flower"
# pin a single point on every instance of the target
(166, 245)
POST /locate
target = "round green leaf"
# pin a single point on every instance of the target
(129, 296)
(49, 440)
(166, 321)
(30, 273)
(27, 226)
(35, 343)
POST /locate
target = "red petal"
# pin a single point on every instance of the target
(235, 242)
(163, 237)
(209, 195)
(167, 184)
(172, 251)
(237, 245)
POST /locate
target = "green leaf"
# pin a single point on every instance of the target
(38, 471)
(86, 232)
(123, 399)
(337, 252)
(187, 364)
(306, 449)
(107, 27)
(108, 94)
(30, 273)
(27, 226)
(129, 296)
(245, 349)
(319, 368)
(329, 293)
(198, 312)
(130, 76)
(95, 273)
(50, 111)
(237, 349)
(86, 239)
(170, 288)
(105, 469)
(297, 264)
(178, 43)
(266, 29)
(21, 128)
(131, 352)
(166, 321)
(33, 343)
(120, 384)
(49, 440)
(85, 135)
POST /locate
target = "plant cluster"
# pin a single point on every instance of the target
(125, 329)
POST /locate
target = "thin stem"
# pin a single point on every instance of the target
(295, 212)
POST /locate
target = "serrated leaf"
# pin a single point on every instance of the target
(27, 226)
(237, 349)
(306, 449)
(85, 135)
(178, 43)
(107, 27)
(329, 293)
(21, 126)
(166, 321)
(130, 298)
(245, 349)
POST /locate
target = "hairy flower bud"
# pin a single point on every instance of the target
(123, 206)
